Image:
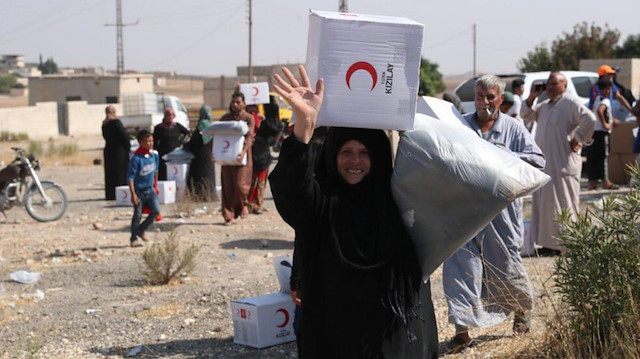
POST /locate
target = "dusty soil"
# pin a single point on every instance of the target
(96, 303)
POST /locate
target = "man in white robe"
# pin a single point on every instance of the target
(564, 125)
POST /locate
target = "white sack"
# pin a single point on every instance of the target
(227, 128)
(283, 265)
(178, 155)
(449, 183)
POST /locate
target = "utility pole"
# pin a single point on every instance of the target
(474, 50)
(343, 6)
(250, 30)
(119, 25)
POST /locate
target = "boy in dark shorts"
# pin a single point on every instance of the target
(143, 183)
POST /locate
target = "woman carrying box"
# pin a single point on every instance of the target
(362, 293)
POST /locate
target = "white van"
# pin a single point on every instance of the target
(578, 84)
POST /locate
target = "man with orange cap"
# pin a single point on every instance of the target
(606, 72)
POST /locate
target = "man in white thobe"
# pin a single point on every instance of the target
(564, 125)
(485, 280)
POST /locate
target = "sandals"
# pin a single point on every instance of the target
(457, 345)
(522, 322)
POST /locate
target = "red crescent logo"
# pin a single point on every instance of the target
(125, 194)
(226, 144)
(361, 65)
(175, 171)
(286, 317)
(255, 91)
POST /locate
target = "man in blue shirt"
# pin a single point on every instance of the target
(143, 179)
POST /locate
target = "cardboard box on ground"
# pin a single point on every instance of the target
(178, 172)
(167, 194)
(370, 66)
(620, 152)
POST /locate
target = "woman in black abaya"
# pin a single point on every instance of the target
(116, 153)
(362, 293)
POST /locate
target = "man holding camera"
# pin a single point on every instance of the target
(564, 125)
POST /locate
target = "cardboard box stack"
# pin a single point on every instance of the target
(620, 154)
(177, 172)
(263, 321)
(370, 66)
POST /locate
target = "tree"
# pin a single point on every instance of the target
(539, 59)
(430, 78)
(48, 67)
(630, 48)
(586, 42)
(6, 82)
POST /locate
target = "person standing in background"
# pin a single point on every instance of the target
(166, 137)
(201, 180)
(116, 153)
(564, 125)
(236, 180)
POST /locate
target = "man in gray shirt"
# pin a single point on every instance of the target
(485, 280)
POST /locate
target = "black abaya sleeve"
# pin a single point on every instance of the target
(295, 192)
(123, 136)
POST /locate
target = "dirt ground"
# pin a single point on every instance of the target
(92, 301)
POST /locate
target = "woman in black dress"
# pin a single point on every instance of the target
(362, 292)
(201, 180)
(166, 137)
(116, 153)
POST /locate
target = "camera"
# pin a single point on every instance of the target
(541, 87)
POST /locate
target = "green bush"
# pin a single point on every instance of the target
(598, 278)
(166, 260)
(35, 148)
(6, 136)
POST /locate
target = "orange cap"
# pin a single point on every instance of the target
(605, 69)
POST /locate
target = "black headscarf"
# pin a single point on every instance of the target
(367, 223)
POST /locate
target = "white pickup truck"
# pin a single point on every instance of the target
(144, 110)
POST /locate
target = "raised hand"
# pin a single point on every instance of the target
(305, 102)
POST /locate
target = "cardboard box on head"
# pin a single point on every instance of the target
(255, 93)
(370, 66)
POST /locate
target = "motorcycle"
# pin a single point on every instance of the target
(44, 200)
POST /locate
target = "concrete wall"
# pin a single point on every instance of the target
(39, 121)
(89, 88)
(628, 75)
(84, 119)
(134, 83)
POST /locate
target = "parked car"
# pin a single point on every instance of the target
(578, 84)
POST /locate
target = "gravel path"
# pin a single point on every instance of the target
(92, 300)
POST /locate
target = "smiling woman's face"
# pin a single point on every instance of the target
(353, 162)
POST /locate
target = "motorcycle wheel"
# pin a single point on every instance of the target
(41, 209)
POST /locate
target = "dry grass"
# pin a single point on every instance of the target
(161, 311)
(168, 259)
(197, 202)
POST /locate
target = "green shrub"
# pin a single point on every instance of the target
(598, 279)
(166, 260)
(35, 148)
(6, 136)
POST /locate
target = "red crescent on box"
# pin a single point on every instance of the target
(226, 144)
(256, 91)
(125, 194)
(361, 65)
(175, 171)
(286, 317)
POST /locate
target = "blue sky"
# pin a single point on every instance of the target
(210, 37)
